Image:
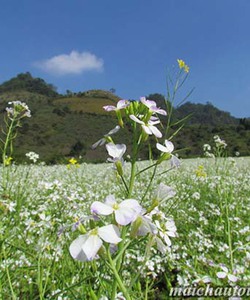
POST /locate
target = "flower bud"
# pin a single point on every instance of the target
(82, 229)
(119, 117)
(155, 203)
(135, 226)
(164, 156)
(119, 169)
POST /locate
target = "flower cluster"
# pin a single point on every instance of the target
(182, 65)
(145, 114)
(219, 142)
(72, 162)
(19, 109)
(32, 156)
(93, 244)
(115, 224)
(217, 150)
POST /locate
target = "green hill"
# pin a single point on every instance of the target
(62, 126)
(25, 82)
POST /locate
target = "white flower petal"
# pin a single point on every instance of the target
(146, 129)
(98, 143)
(122, 104)
(75, 248)
(221, 274)
(91, 246)
(224, 268)
(110, 234)
(232, 278)
(154, 121)
(131, 203)
(160, 111)
(148, 103)
(116, 151)
(175, 162)
(164, 192)
(161, 148)
(109, 107)
(100, 208)
(146, 227)
(169, 145)
(110, 200)
(134, 118)
(167, 240)
(125, 215)
(113, 131)
(160, 246)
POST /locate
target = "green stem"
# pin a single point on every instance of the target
(8, 276)
(117, 277)
(150, 182)
(132, 179)
(7, 140)
(229, 238)
(114, 290)
(125, 184)
(143, 170)
(146, 256)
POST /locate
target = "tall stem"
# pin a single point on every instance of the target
(132, 179)
(133, 163)
(229, 237)
(7, 140)
(117, 277)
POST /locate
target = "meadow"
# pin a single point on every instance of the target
(128, 228)
(41, 207)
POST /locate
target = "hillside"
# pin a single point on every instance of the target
(25, 82)
(62, 126)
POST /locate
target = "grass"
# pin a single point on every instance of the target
(211, 211)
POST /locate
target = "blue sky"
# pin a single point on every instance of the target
(129, 45)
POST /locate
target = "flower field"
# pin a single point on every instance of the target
(42, 209)
(126, 229)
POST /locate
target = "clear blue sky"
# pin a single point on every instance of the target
(128, 45)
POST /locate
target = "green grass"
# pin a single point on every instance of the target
(86, 104)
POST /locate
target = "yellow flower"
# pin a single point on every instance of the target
(182, 65)
(72, 161)
(200, 172)
(8, 160)
(186, 69)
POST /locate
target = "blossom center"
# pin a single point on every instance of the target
(94, 231)
(115, 206)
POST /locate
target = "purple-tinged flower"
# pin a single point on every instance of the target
(151, 105)
(204, 279)
(175, 162)
(143, 225)
(167, 150)
(120, 105)
(125, 211)
(116, 151)
(163, 192)
(106, 137)
(225, 274)
(86, 246)
(149, 127)
(166, 230)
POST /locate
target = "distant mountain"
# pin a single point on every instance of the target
(205, 114)
(199, 113)
(25, 82)
(62, 126)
